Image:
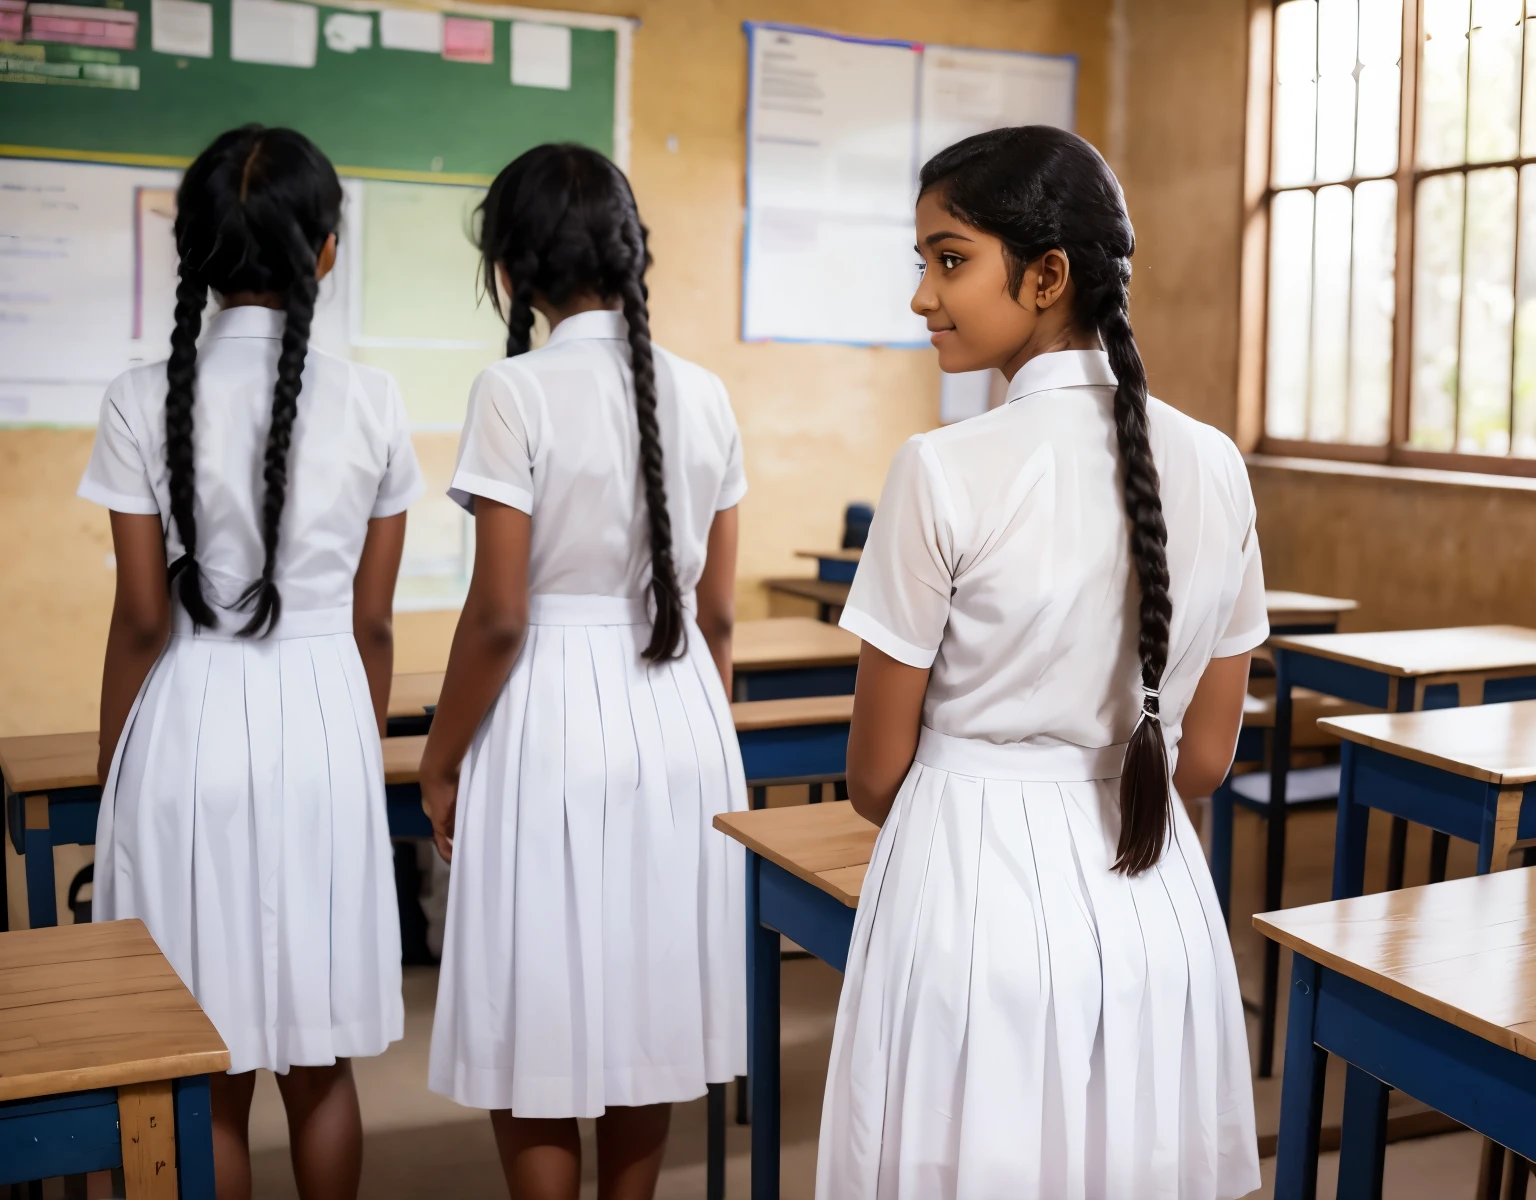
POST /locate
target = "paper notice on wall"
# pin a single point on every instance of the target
(347, 33)
(411, 29)
(541, 55)
(181, 27)
(469, 40)
(972, 91)
(11, 19)
(77, 25)
(831, 180)
(275, 32)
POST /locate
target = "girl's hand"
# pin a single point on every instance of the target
(440, 800)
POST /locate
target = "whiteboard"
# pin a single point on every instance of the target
(837, 130)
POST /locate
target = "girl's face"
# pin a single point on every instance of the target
(974, 321)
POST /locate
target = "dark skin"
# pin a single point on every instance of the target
(976, 324)
(324, 1122)
(542, 1158)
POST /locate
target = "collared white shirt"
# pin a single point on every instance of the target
(350, 460)
(553, 433)
(1000, 557)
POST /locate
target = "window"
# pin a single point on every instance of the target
(1399, 320)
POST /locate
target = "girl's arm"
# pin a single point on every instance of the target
(1211, 725)
(373, 607)
(141, 624)
(717, 592)
(887, 716)
(486, 644)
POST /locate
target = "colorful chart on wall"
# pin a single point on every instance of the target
(837, 128)
(100, 107)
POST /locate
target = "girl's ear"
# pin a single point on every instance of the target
(1052, 271)
(327, 258)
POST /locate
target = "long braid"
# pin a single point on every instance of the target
(300, 311)
(520, 309)
(181, 378)
(668, 626)
(1145, 796)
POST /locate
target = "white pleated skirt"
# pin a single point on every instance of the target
(244, 822)
(595, 946)
(1020, 1022)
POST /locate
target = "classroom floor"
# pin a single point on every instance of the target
(421, 1145)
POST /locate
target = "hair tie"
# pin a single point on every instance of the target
(1149, 697)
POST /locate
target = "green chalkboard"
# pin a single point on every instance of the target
(382, 113)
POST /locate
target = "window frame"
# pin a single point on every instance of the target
(1253, 299)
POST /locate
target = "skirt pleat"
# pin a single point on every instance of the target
(612, 971)
(244, 822)
(1019, 1021)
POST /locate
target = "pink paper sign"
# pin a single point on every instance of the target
(110, 28)
(467, 40)
(10, 19)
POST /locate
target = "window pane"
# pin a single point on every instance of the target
(1443, 84)
(1436, 311)
(1290, 314)
(1525, 321)
(1330, 315)
(1493, 114)
(1337, 22)
(1373, 301)
(1381, 50)
(1295, 92)
(1487, 312)
(1528, 104)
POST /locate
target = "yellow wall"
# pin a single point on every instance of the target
(819, 423)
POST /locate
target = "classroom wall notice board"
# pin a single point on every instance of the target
(418, 108)
(837, 128)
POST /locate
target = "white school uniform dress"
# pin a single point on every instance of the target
(1018, 1021)
(595, 948)
(243, 819)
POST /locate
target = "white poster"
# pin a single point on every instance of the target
(275, 32)
(830, 186)
(837, 129)
(972, 91)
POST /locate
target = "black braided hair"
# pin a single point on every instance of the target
(1038, 188)
(561, 222)
(253, 213)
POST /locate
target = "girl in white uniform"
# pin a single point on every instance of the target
(594, 961)
(1057, 601)
(242, 816)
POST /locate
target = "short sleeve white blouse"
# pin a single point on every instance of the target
(553, 433)
(999, 556)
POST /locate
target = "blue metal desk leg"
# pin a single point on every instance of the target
(1301, 1096)
(1274, 859)
(194, 1138)
(714, 1170)
(42, 905)
(1353, 826)
(763, 1048)
(1363, 1142)
(1221, 847)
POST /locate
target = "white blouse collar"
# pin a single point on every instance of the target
(247, 321)
(1061, 369)
(599, 323)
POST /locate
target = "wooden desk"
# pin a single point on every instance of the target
(1302, 612)
(833, 566)
(803, 740)
(805, 867)
(1464, 772)
(1397, 670)
(104, 1062)
(1431, 990)
(783, 657)
(829, 597)
(410, 698)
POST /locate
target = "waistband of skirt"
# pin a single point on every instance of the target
(293, 623)
(1018, 760)
(548, 608)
